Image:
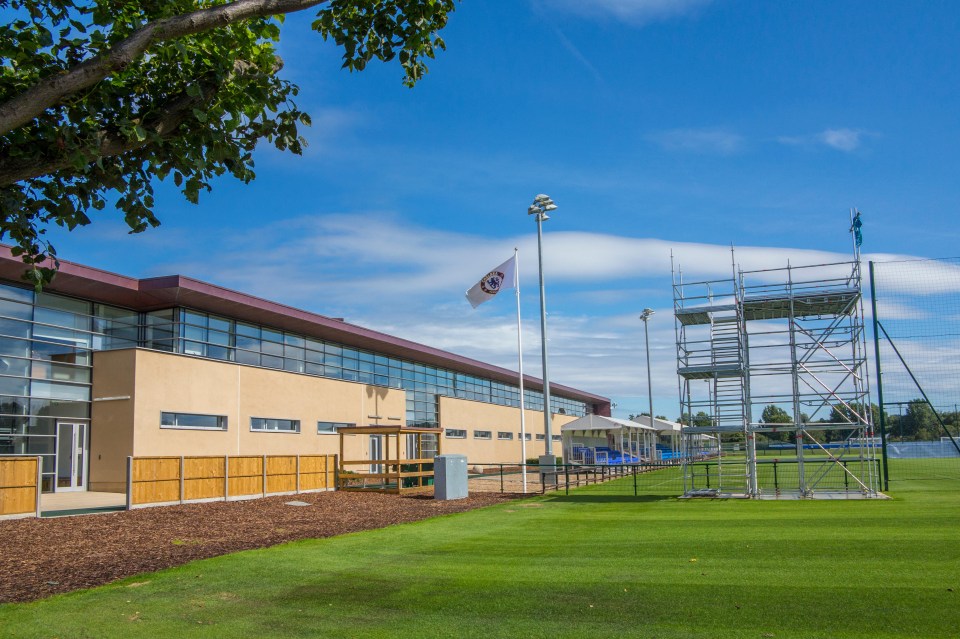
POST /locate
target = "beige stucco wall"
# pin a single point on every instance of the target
(111, 435)
(132, 387)
(472, 416)
(163, 382)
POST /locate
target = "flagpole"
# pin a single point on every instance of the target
(523, 417)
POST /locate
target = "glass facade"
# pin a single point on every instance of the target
(205, 335)
(47, 341)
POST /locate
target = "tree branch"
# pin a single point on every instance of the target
(110, 144)
(26, 106)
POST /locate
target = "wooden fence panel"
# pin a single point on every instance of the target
(316, 472)
(157, 479)
(154, 480)
(282, 474)
(246, 476)
(203, 477)
(19, 490)
(156, 468)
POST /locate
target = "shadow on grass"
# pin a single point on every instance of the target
(609, 499)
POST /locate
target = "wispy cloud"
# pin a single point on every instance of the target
(637, 12)
(713, 141)
(578, 55)
(380, 271)
(846, 140)
(343, 259)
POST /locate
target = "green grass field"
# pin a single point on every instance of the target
(593, 564)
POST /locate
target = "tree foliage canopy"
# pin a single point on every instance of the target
(100, 99)
(773, 414)
(701, 419)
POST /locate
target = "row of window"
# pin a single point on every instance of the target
(205, 335)
(194, 421)
(502, 435)
(50, 337)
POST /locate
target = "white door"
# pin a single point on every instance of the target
(72, 448)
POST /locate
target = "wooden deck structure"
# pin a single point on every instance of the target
(391, 472)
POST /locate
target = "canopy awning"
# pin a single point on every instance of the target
(598, 423)
(659, 425)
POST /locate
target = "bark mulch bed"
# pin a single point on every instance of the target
(42, 557)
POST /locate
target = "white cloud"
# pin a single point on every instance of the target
(638, 12)
(716, 141)
(846, 140)
(841, 139)
(380, 272)
(344, 258)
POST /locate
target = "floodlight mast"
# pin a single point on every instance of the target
(541, 204)
(645, 316)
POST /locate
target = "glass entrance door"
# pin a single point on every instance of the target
(72, 446)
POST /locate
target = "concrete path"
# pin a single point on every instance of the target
(81, 500)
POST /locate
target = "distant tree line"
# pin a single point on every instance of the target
(916, 422)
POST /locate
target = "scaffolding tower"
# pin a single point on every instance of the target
(792, 338)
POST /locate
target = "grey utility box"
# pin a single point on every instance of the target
(548, 470)
(450, 477)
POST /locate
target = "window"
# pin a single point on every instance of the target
(193, 421)
(275, 425)
(456, 433)
(504, 435)
(331, 428)
(557, 438)
(482, 434)
(540, 437)
(528, 437)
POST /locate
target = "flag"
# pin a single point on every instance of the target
(857, 233)
(504, 276)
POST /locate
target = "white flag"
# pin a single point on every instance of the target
(504, 276)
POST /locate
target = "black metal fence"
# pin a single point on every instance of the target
(916, 326)
(775, 477)
(629, 479)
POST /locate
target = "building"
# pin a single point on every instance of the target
(99, 367)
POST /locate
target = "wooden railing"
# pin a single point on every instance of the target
(19, 487)
(396, 476)
(172, 480)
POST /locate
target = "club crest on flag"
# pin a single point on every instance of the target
(501, 277)
(492, 282)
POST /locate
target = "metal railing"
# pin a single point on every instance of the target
(662, 478)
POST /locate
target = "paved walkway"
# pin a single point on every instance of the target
(81, 500)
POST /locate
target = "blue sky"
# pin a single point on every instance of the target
(656, 126)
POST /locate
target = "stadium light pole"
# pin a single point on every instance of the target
(645, 316)
(542, 204)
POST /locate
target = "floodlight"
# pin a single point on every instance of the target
(541, 204)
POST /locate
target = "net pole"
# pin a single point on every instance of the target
(876, 355)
